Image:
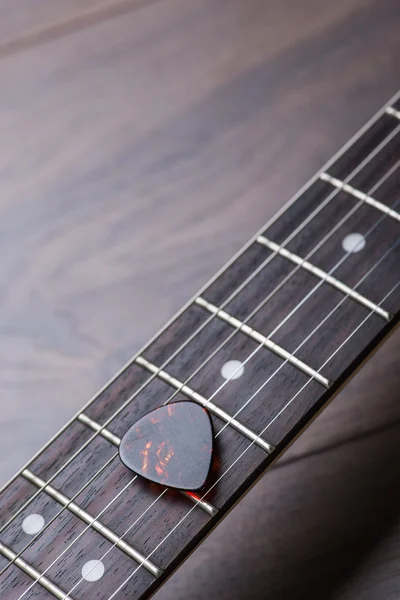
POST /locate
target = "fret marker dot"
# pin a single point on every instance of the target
(32, 524)
(354, 242)
(233, 369)
(92, 570)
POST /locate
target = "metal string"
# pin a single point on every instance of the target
(298, 306)
(296, 231)
(257, 391)
(263, 385)
(346, 217)
(61, 510)
(247, 448)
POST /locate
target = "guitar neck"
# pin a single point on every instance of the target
(264, 347)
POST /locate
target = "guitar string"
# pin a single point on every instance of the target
(343, 299)
(383, 112)
(321, 323)
(369, 157)
(257, 391)
(124, 583)
(275, 291)
(298, 347)
(380, 114)
(65, 507)
(371, 191)
(268, 425)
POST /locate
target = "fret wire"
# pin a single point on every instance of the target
(265, 341)
(122, 585)
(393, 112)
(33, 573)
(332, 195)
(374, 119)
(349, 189)
(336, 283)
(299, 391)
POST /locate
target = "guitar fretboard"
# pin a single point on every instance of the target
(264, 347)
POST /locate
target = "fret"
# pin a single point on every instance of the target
(16, 582)
(106, 433)
(92, 521)
(307, 266)
(360, 195)
(393, 112)
(206, 378)
(258, 337)
(33, 574)
(211, 407)
(114, 439)
(338, 356)
(321, 325)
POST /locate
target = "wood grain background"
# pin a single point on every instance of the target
(142, 143)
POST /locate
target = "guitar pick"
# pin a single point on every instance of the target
(171, 445)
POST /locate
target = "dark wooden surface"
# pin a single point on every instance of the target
(139, 152)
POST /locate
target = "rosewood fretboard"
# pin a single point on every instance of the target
(264, 346)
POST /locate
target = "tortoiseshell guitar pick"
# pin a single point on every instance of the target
(171, 445)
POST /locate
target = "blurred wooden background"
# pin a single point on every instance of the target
(142, 143)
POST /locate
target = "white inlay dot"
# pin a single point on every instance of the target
(32, 524)
(92, 570)
(354, 242)
(233, 369)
